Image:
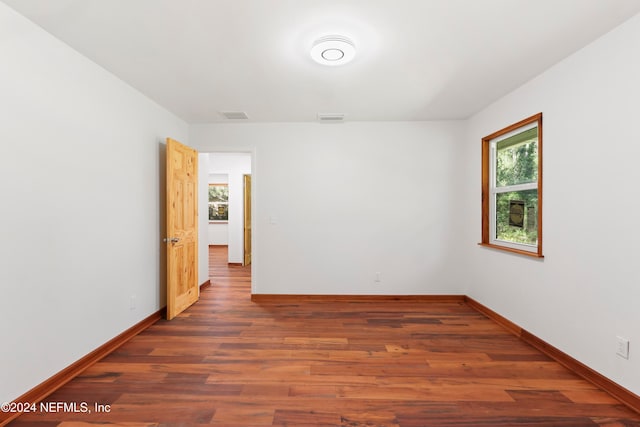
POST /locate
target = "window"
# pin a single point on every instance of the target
(512, 188)
(219, 202)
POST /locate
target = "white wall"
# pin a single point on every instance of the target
(587, 289)
(80, 171)
(234, 166)
(218, 232)
(347, 201)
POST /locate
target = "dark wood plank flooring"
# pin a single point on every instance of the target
(300, 362)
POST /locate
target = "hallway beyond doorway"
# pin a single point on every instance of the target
(221, 273)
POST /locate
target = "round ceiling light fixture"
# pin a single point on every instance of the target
(333, 50)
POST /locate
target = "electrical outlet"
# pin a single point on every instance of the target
(623, 347)
(378, 279)
(132, 302)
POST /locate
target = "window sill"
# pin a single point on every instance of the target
(515, 251)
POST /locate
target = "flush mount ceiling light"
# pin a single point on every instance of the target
(333, 50)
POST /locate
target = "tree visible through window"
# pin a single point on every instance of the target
(512, 187)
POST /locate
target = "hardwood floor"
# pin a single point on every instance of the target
(302, 362)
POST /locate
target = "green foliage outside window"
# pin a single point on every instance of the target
(517, 163)
(218, 193)
(218, 202)
(528, 233)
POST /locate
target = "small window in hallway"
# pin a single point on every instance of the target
(218, 202)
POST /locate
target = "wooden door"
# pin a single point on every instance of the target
(247, 220)
(182, 227)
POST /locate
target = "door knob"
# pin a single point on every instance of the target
(171, 240)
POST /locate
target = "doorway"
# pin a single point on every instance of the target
(227, 228)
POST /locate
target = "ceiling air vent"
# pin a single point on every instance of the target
(234, 115)
(331, 118)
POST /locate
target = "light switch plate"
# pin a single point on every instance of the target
(623, 347)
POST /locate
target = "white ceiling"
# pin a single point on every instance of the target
(416, 59)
